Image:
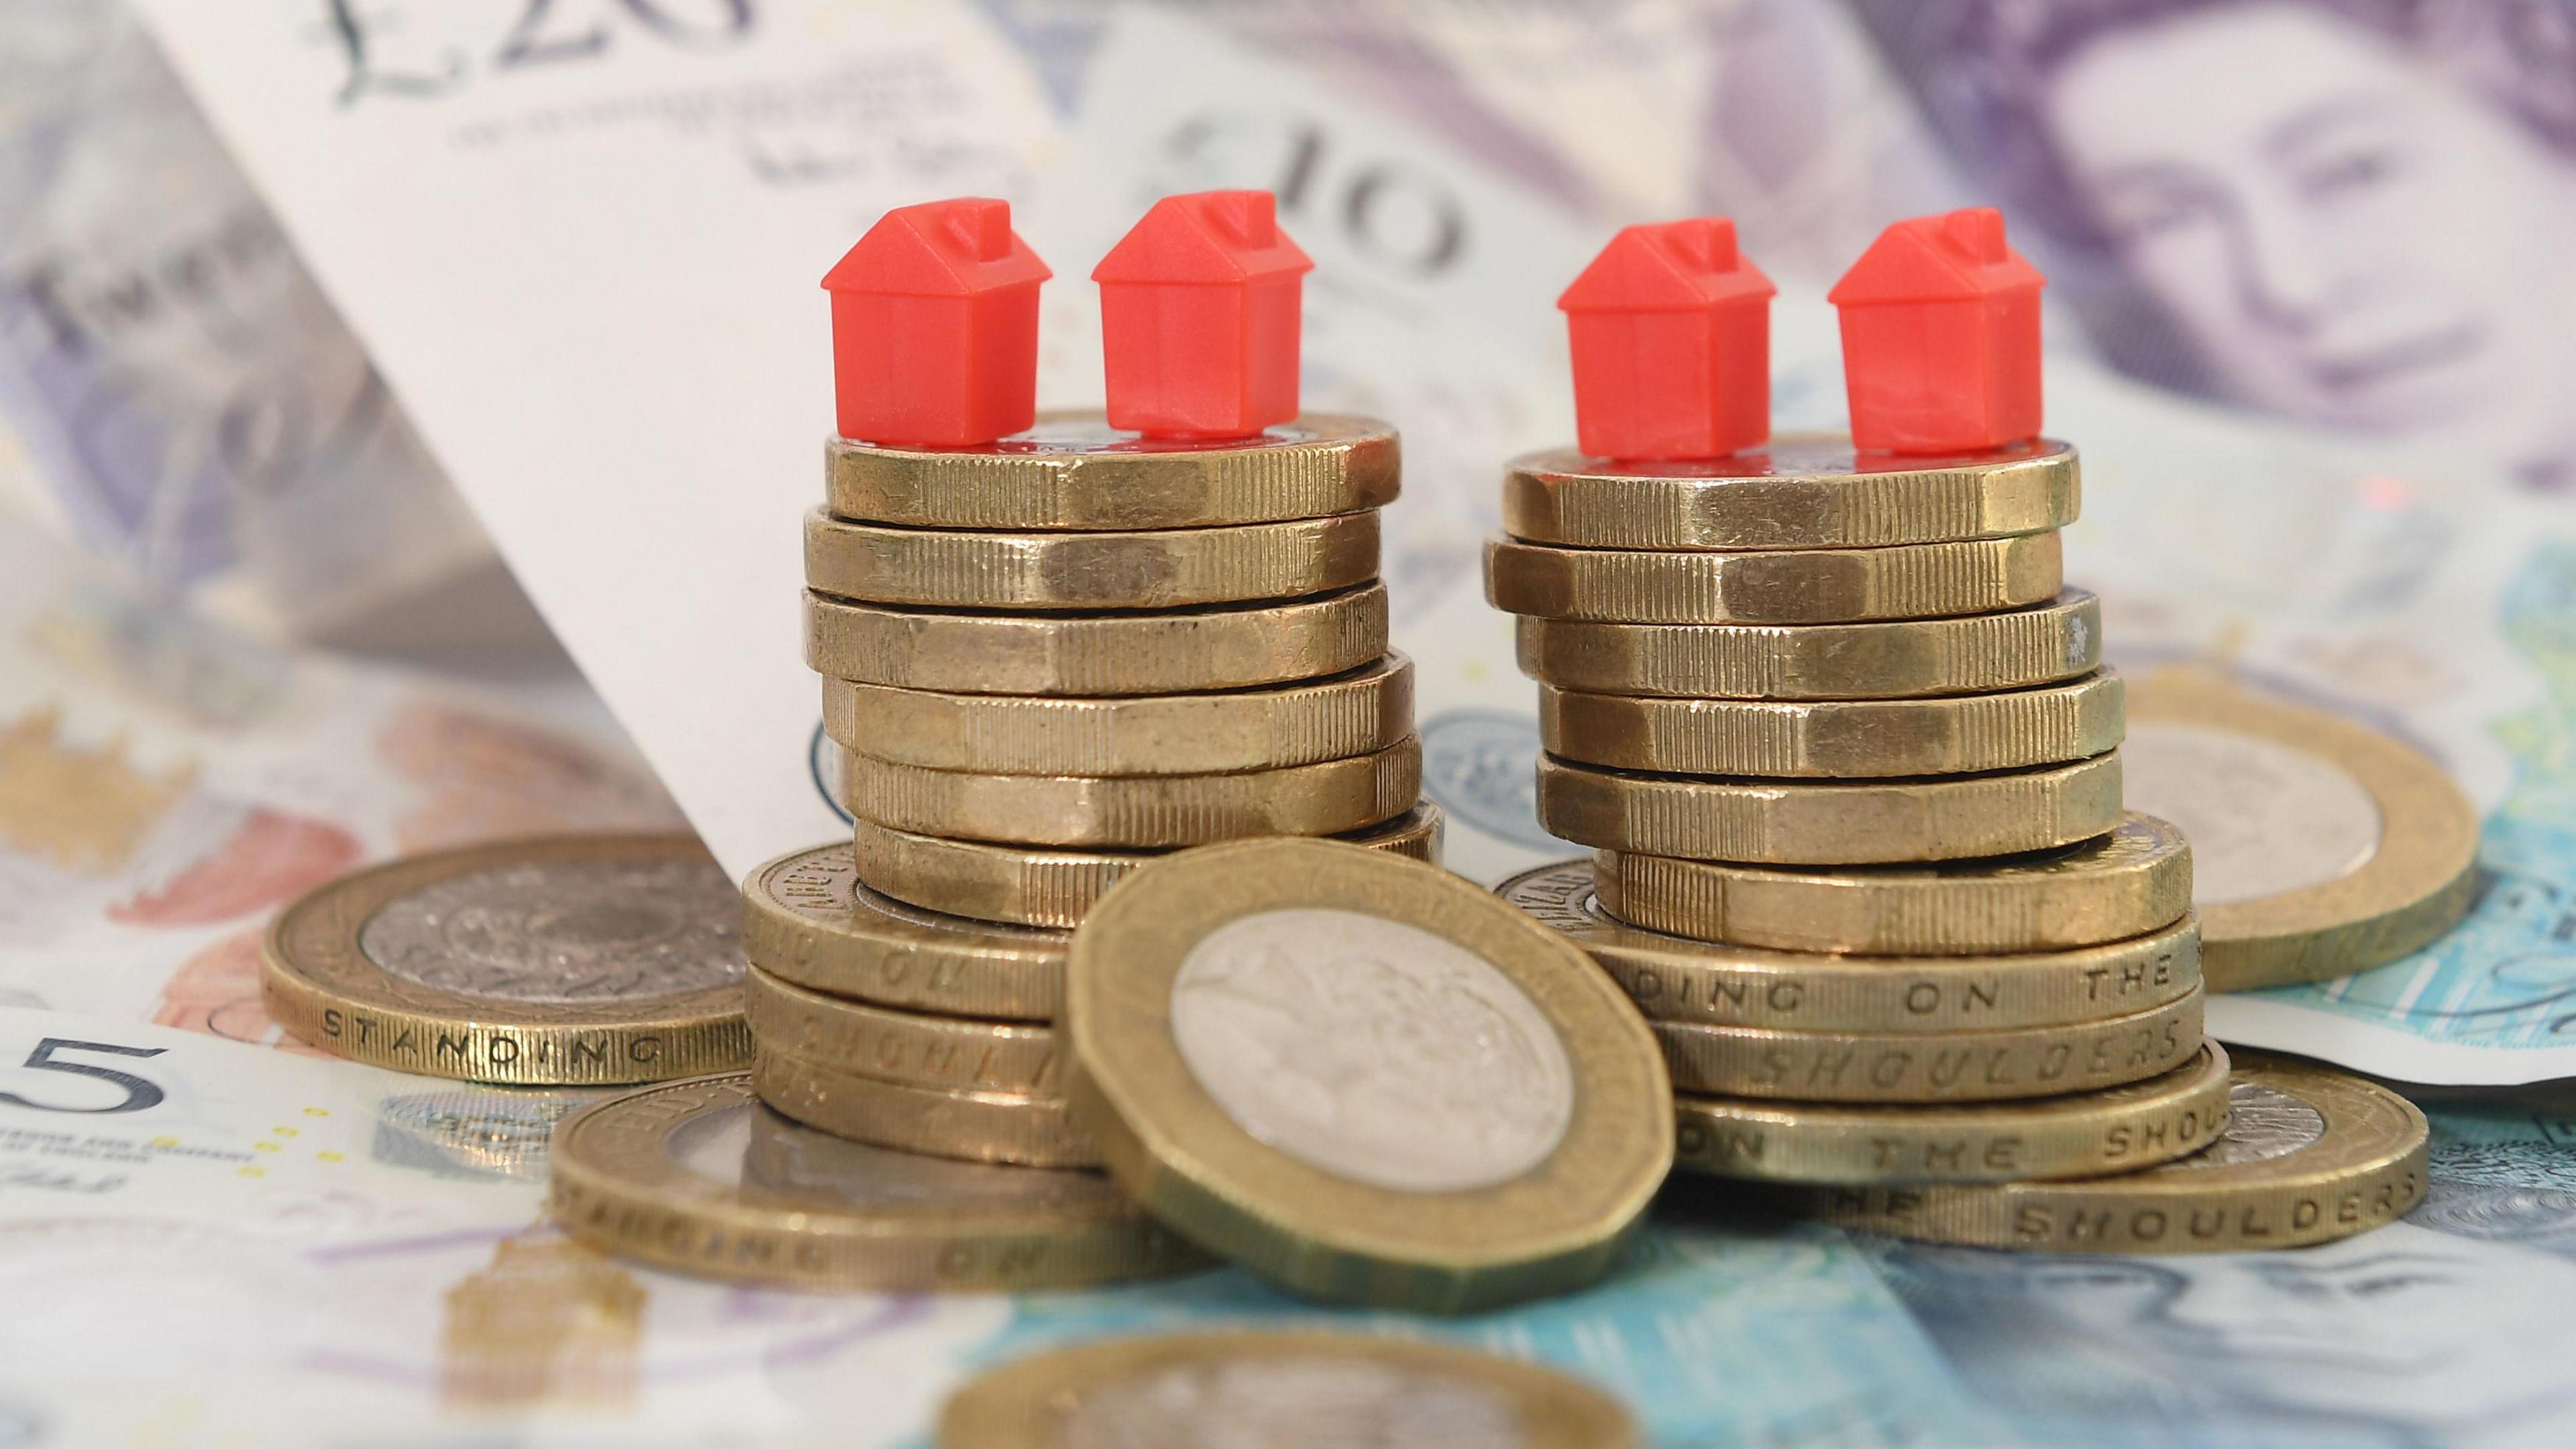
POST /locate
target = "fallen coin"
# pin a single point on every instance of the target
(1252, 1390)
(2320, 848)
(1362, 1077)
(559, 961)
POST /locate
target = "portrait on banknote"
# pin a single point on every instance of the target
(2345, 213)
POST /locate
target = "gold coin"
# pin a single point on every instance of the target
(972, 1126)
(699, 1177)
(1799, 490)
(1679, 980)
(1837, 739)
(1830, 823)
(1224, 647)
(1073, 471)
(912, 1048)
(1362, 1077)
(1324, 798)
(2081, 1134)
(1155, 734)
(2320, 847)
(2134, 880)
(2310, 1155)
(1170, 568)
(1793, 586)
(1253, 1388)
(1041, 886)
(1891, 659)
(806, 919)
(573, 960)
(1987, 1065)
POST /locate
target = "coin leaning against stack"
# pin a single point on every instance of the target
(1843, 747)
(1044, 664)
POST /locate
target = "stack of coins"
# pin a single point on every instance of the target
(1842, 744)
(1046, 662)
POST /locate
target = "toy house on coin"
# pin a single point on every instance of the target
(935, 327)
(1940, 324)
(1199, 320)
(1671, 333)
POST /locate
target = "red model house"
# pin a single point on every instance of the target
(1198, 318)
(1941, 337)
(935, 327)
(1672, 344)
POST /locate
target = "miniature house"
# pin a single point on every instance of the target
(935, 327)
(1199, 319)
(1671, 332)
(1940, 324)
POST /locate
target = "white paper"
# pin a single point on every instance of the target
(583, 243)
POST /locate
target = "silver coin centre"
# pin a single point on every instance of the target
(1293, 1402)
(1371, 1049)
(2263, 819)
(2262, 1123)
(565, 932)
(750, 1148)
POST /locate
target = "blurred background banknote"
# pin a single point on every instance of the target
(2307, 328)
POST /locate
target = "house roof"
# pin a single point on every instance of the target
(1209, 237)
(1669, 266)
(1958, 254)
(954, 248)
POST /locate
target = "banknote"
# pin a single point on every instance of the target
(202, 416)
(584, 248)
(317, 1249)
(166, 782)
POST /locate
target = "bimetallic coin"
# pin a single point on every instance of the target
(806, 919)
(1795, 586)
(1840, 739)
(1830, 823)
(1690, 981)
(563, 961)
(2320, 847)
(1032, 1131)
(1324, 798)
(1363, 1077)
(1222, 647)
(2134, 880)
(1161, 569)
(2081, 1134)
(1073, 471)
(1160, 734)
(2310, 1154)
(1279, 1391)
(1963, 1066)
(1049, 886)
(913, 1048)
(699, 1177)
(1806, 490)
(1892, 659)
